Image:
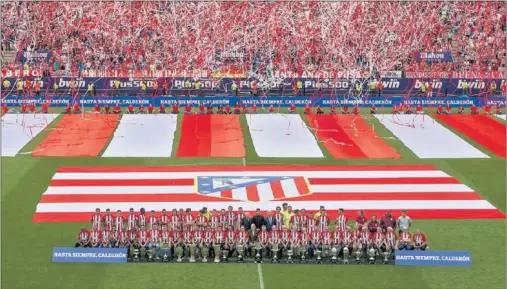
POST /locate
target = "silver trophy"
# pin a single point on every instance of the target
(179, 253)
(371, 255)
(165, 257)
(326, 251)
(258, 248)
(216, 248)
(319, 257)
(204, 252)
(304, 249)
(241, 249)
(358, 256)
(192, 253)
(225, 256)
(150, 254)
(289, 256)
(386, 257)
(334, 252)
(274, 251)
(346, 255)
(136, 255)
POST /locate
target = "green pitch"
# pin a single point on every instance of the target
(27, 246)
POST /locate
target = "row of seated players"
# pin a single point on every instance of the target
(237, 109)
(161, 240)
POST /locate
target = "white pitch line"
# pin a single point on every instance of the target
(244, 161)
(261, 278)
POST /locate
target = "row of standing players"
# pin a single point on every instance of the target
(245, 109)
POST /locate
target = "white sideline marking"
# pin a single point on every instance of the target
(244, 162)
(261, 278)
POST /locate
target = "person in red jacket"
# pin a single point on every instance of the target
(68, 108)
(141, 109)
(498, 109)
(107, 109)
(473, 109)
(292, 108)
(244, 109)
(419, 241)
(161, 108)
(419, 109)
(116, 109)
(254, 108)
(237, 108)
(188, 109)
(130, 109)
(308, 109)
(408, 109)
(45, 107)
(332, 109)
(271, 109)
(440, 109)
(345, 109)
(24, 108)
(487, 109)
(448, 109)
(96, 108)
(355, 110)
(228, 109)
(201, 108)
(503, 88)
(175, 109)
(319, 110)
(400, 108)
(31, 107)
(373, 109)
(209, 109)
(150, 108)
(77, 107)
(5, 109)
(394, 110)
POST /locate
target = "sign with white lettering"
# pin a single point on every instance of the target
(89, 255)
(433, 258)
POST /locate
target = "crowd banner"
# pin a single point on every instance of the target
(391, 74)
(433, 258)
(276, 101)
(89, 255)
(33, 57)
(285, 86)
(445, 56)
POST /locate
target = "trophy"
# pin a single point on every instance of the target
(386, 257)
(225, 256)
(216, 248)
(325, 251)
(275, 250)
(289, 256)
(258, 256)
(204, 252)
(358, 256)
(371, 254)
(303, 254)
(192, 253)
(150, 254)
(345, 255)
(165, 257)
(179, 253)
(319, 257)
(241, 249)
(136, 255)
(334, 252)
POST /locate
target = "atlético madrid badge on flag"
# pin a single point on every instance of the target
(426, 192)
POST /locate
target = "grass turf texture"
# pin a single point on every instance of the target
(28, 246)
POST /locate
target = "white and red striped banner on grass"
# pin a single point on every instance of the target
(426, 192)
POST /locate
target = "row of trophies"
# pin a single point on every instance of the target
(222, 255)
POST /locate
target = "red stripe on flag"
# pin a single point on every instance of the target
(252, 194)
(226, 194)
(323, 197)
(147, 169)
(414, 214)
(383, 181)
(108, 183)
(276, 188)
(301, 186)
(128, 198)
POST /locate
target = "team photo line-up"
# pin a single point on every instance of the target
(286, 233)
(245, 109)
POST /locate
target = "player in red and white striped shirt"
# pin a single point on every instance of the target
(105, 239)
(295, 242)
(165, 241)
(155, 240)
(152, 220)
(164, 218)
(304, 219)
(201, 221)
(208, 237)
(95, 237)
(323, 221)
(419, 241)
(311, 224)
(391, 240)
(143, 237)
(243, 239)
(364, 239)
(175, 221)
(341, 220)
(188, 220)
(348, 240)
(274, 238)
(231, 217)
(405, 240)
(327, 240)
(279, 219)
(122, 239)
(142, 220)
(223, 219)
(96, 220)
(132, 223)
(239, 217)
(296, 221)
(230, 239)
(119, 221)
(108, 221)
(285, 239)
(83, 238)
(379, 242)
(214, 220)
(263, 238)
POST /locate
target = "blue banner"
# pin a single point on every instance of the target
(89, 255)
(276, 101)
(67, 86)
(445, 56)
(34, 57)
(433, 258)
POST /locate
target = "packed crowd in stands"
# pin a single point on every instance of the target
(257, 36)
(286, 228)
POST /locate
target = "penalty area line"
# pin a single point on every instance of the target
(261, 278)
